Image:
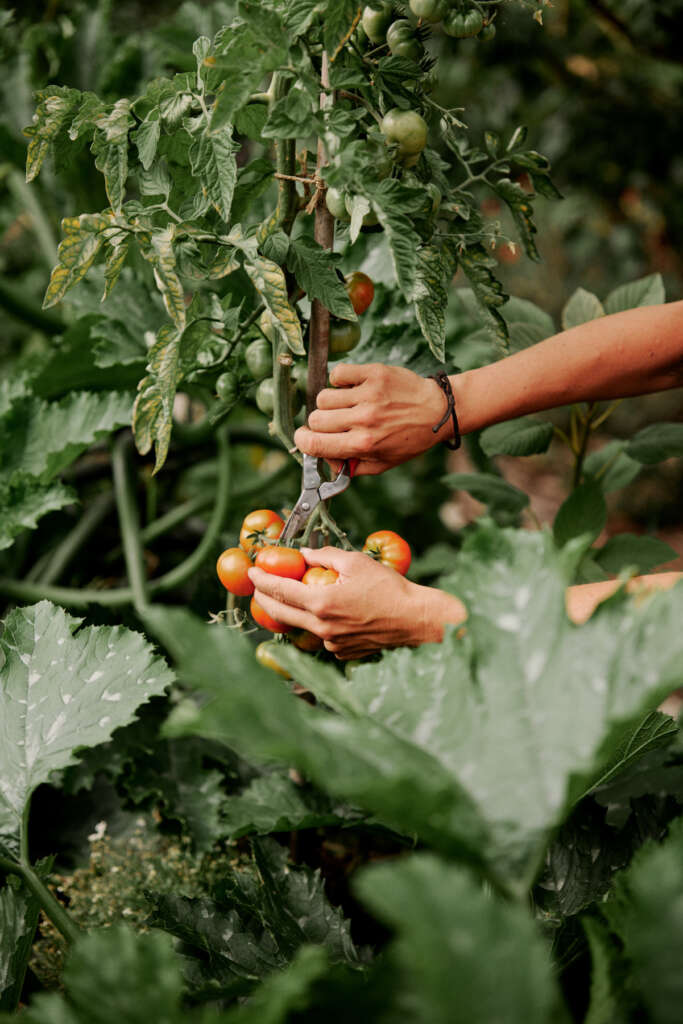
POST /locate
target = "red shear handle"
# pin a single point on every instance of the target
(352, 466)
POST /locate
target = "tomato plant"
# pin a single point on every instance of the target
(281, 561)
(390, 549)
(259, 527)
(232, 568)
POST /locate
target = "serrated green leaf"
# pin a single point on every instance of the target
(493, 491)
(283, 993)
(146, 137)
(62, 688)
(315, 272)
(435, 271)
(399, 233)
(648, 291)
(518, 202)
(261, 916)
(339, 20)
(655, 443)
(24, 501)
(524, 436)
(39, 439)
(212, 158)
(478, 265)
(110, 149)
(443, 920)
(628, 549)
(243, 58)
(252, 182)
(580, 308)
(83, 239)
(583, 513)
(55, 109)
(158, 250)
(273, 803)
(115, 259)
(269, 281)
(153, 410)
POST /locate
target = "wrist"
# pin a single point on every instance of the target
(436, 610)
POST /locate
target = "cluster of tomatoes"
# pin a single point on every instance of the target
(258, 546)
(459, 18)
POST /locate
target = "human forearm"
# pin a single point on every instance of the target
(583, 599)
(630, 353)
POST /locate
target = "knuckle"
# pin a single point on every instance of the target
(363, 439)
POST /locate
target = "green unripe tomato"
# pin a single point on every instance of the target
(407, 129)
(376, 23)
(454, 24)
(226, 387)
(474, 23)
(402, 40)
(265, 396)
(258, 356)
(344, 335)
(300, 376)
(429, 10)
(488, 32)
(266, 655)
(336, 204)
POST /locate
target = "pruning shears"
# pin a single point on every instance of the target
(314, 490)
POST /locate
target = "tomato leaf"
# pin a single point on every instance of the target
(56, 107)
(83, 239)
(435, 271)
(212, 158)
(581, 307)
(648, 291)
(582, 514)
(655, 443)
(315, 272)
(269, 281)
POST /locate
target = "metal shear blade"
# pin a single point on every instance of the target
(315, 489)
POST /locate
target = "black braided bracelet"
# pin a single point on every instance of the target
(442, 380)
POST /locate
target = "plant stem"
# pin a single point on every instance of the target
(48, 902)
(80, 598)
(282, 425)
(285, 160)
(76, 538)
(129, 523)
(324, 235)
(586, 426)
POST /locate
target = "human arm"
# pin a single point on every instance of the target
(384, 415)
(372, 607)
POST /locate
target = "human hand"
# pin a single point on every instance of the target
(369, 608)
(381, 415)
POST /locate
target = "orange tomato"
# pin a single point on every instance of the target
(259, 525)
(389, 549)
(318, 575)
(232, 568)
(262, 618)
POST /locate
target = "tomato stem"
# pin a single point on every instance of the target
(129, 522)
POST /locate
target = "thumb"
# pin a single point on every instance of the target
(332, 558)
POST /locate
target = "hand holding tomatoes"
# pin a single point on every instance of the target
(369, 606)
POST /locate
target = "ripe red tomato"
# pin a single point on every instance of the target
(360, 290)
(232, 567)
(319, 576)
(259, 524)
(262, 618)
(281, 561)
(389, 549)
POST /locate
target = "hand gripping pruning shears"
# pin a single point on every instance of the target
(314, 490)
